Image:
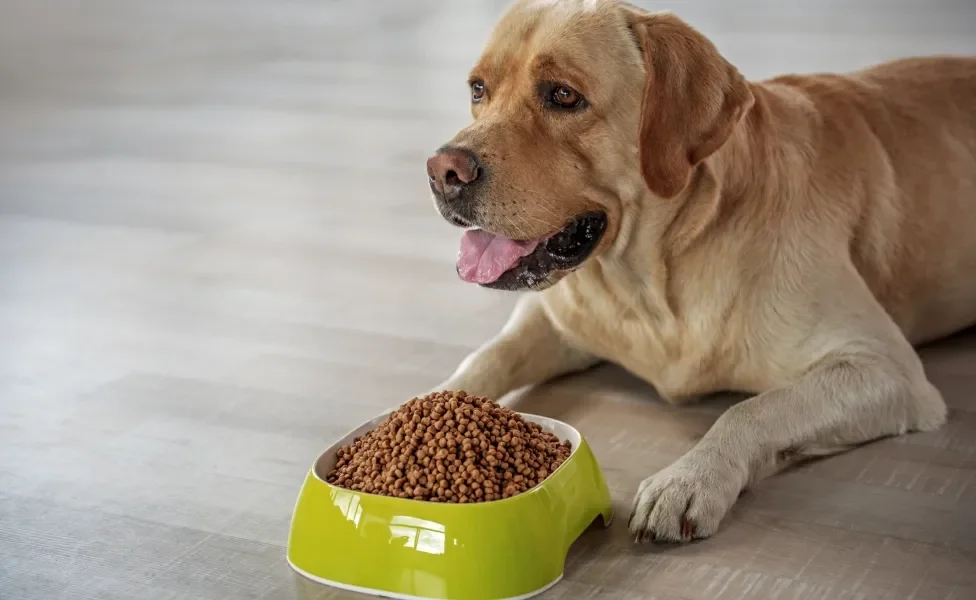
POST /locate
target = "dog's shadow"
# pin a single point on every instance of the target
(608, 395)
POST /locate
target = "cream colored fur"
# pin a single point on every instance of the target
(799, 257)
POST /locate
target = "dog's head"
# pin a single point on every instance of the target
(580, 106)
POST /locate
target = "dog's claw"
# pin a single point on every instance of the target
(647, 535)
(687, 529)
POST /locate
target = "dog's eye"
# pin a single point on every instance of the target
(477, 90)
(566, 97)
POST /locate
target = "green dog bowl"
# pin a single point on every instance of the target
(399, 548)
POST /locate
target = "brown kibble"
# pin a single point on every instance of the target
(450, 447)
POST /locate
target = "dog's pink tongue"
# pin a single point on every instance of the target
(485, 256)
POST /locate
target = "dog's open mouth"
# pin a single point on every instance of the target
(498, 262)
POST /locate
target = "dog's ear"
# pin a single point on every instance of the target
(692, 101)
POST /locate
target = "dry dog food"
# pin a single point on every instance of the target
(450, 447)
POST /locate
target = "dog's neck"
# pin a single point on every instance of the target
(747, 164)
(729, 188)
(741, 178)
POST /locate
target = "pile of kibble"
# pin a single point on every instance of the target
(450, 447)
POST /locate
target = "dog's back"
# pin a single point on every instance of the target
(897, 145)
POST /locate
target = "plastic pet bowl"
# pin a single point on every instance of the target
(400, 548)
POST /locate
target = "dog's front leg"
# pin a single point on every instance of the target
(529, 350)
(854, 395)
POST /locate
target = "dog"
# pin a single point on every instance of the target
(793, 239)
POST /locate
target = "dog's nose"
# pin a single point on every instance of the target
(450, 170)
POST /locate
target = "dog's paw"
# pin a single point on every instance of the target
(687, 500)
(471, 384)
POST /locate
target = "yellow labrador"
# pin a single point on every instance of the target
(791, 238)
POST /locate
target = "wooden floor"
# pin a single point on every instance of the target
(217, 253)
